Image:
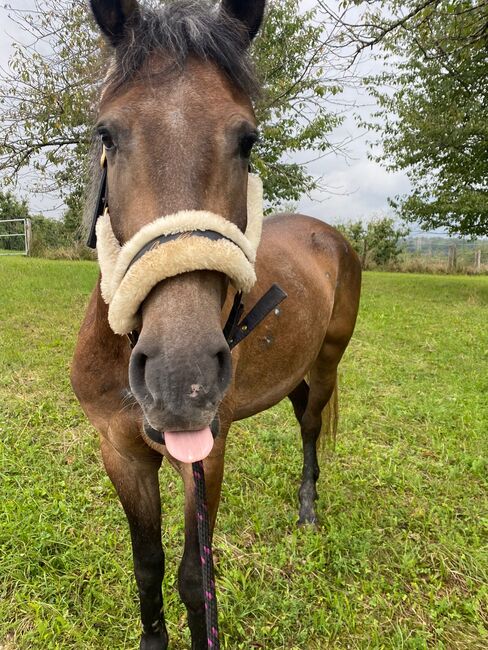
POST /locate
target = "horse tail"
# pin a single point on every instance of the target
(330, 418)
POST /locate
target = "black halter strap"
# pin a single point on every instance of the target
(101, 205)
(265, 305)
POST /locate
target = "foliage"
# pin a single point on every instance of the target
(12, 208)
(433, 108)
(377, 241)
(47, 95)
(399, 560)
(60, 239)
(47, 99)
(47, 234)
(289, 56)
(71, 218)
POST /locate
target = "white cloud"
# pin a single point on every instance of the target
(358, 189)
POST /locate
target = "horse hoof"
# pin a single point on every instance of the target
(154, 642)
(308, 520)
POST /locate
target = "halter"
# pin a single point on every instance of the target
(182, 242)
(130, 271)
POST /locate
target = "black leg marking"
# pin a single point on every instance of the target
(137, 485)
(149, 572)
(310, 429)
(308, 404)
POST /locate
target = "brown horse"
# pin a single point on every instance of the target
(177, 122)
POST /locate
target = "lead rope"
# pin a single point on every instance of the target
(206, 558)
(234, 332)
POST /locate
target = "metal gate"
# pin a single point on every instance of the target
(15, 236)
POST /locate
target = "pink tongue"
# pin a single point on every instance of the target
(189, 446)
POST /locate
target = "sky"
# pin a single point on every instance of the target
(352, 186)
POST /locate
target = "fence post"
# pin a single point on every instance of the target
(477, 260)
(364, 255)
(452, 259)
(28, 236)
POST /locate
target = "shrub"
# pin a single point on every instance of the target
(377, 243)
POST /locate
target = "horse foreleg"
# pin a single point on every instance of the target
(137, 485)
(190, 573)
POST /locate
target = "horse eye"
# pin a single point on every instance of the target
(246, 144)
(106, 139)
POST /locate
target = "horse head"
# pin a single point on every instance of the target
(177, 127)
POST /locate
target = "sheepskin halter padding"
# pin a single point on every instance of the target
(126, 283)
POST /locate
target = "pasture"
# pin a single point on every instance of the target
(400, 559)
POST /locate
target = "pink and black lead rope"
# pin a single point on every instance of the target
(206, 558)
(234, 333)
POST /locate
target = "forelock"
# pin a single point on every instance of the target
(181, 29)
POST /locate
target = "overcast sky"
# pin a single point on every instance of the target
(353, 187)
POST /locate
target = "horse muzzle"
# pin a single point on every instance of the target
(180, 390)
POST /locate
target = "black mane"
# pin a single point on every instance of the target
(182, 28)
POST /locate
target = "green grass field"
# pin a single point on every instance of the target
(400, 560)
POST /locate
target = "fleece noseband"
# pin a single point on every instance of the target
(189, 240)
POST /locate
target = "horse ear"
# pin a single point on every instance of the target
(112, 17)
(248, 12)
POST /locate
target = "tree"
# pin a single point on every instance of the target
(47, 98)
(12, 208)
(432, 119)
(383, 238)
(377, 241)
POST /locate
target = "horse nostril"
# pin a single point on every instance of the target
(221, 359)
(138, 361)
(137, 372)
(224, 362)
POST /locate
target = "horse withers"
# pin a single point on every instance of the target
(177, 126)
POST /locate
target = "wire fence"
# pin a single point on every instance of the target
(443, 253)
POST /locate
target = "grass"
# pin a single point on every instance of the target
(400, 560)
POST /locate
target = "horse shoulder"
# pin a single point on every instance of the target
(99, 369)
